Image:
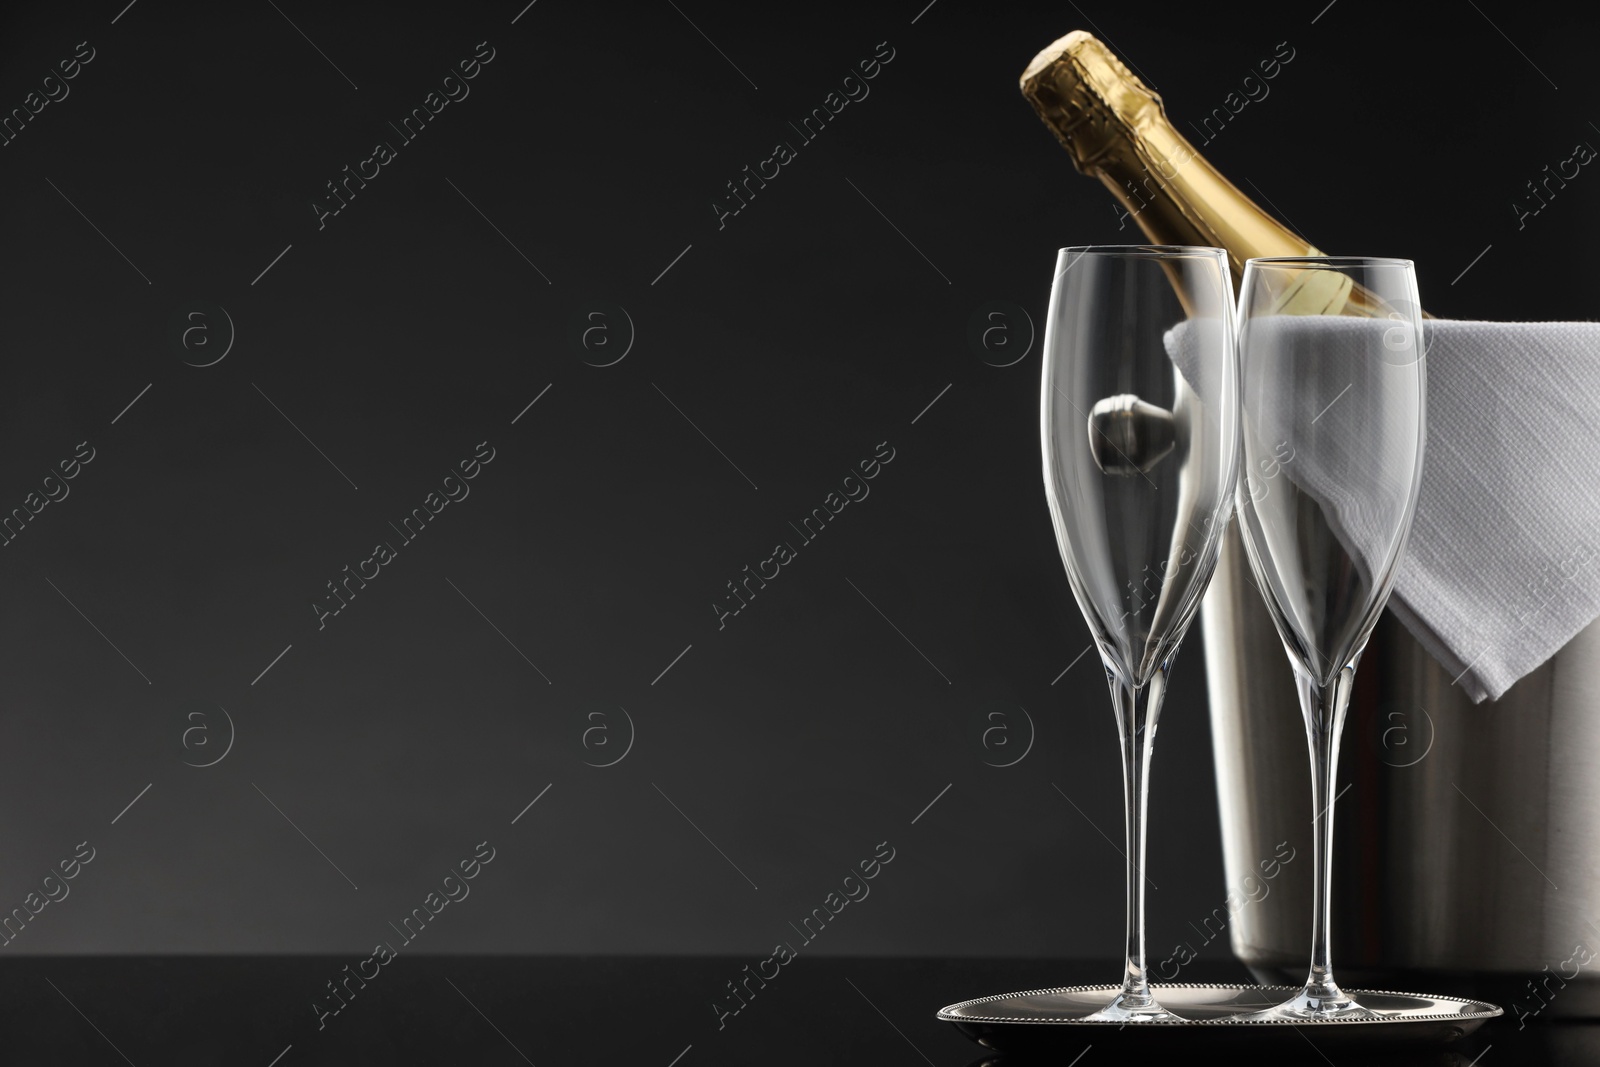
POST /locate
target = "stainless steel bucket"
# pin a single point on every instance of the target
(1467, 836)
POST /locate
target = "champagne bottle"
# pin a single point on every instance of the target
(1116, 130)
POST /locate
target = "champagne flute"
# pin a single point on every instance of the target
(1140, 429)
(1330, 361)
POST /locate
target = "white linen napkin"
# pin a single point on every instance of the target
(1501, 567)
(1500, 571)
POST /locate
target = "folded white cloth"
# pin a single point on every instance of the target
(1500, 569)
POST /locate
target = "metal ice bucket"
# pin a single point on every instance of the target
(1467, 851)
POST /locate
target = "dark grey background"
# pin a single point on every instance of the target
(797, 338)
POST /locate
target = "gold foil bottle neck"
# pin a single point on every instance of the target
(1116, 130)
(1094, 104)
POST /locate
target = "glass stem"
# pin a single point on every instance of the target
(1324, 708)
(1137, 709)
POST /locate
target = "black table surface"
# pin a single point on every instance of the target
(268, 1011)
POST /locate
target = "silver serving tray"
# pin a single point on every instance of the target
(1054, 1019)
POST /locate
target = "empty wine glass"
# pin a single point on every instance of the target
(1330, 361)
(1139, 425)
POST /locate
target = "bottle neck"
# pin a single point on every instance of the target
(1115, 129)
(1176, 197)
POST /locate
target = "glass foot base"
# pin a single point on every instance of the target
(1314, 1006)
(1129, 1008)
